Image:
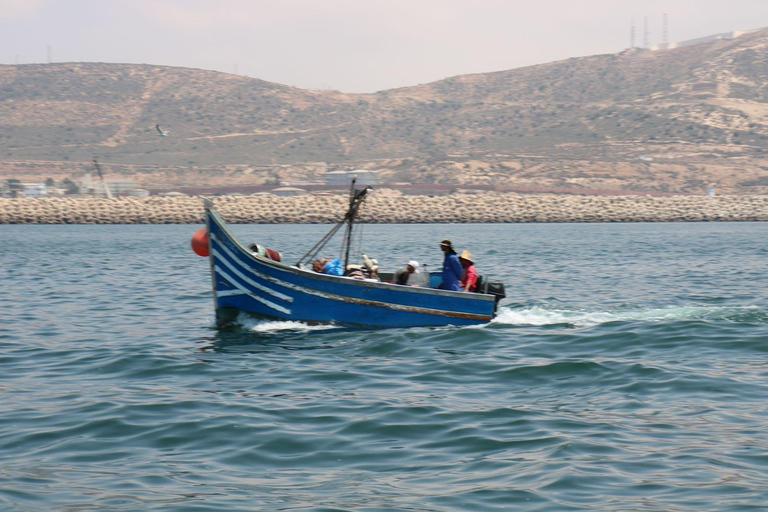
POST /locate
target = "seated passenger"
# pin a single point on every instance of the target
(319, 263)
(468, 281)
(332, 267)
(408, 275)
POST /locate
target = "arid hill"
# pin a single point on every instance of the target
(672, 121)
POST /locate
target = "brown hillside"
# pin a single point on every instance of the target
(673, 120)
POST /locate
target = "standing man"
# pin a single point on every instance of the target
(452, 269)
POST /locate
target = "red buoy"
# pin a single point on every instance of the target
(274, 255)
(264, 252)
(200, 242)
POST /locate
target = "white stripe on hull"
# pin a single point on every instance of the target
(264, 301)
(253, 283)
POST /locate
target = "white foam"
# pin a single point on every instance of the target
(540, 316)
(255, 325)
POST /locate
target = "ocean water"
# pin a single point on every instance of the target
(627, 370)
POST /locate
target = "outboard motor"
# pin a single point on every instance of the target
(494, 288)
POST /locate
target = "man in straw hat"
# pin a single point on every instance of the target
(468, 281)
(452, 270)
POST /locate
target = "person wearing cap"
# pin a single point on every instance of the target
(468, 281)
(452, 270)
(408, 275)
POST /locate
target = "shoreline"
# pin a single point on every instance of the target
(387, 209)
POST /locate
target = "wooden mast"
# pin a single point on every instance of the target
(355, 200)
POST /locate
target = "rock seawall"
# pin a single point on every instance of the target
(485, 208)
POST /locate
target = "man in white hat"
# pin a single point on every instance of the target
(407, 275)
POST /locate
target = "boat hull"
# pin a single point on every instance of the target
(244, 282)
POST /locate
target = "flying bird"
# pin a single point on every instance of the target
(162, 133)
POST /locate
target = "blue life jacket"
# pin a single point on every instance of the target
(334, 268)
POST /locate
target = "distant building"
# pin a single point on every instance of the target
(12, 188)
(301, 183)
(120, 186)
(96, 187)
(288, 191)
(344, 178)
(337, 178)
(702, 40)
(137, 192)
(34, 189)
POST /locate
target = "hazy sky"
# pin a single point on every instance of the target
(351, 45)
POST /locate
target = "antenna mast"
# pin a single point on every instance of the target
(632, 34)
(645, 33)
(356, 198)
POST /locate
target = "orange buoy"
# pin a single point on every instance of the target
(274, 255)
(200, 242)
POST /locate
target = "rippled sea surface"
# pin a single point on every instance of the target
(627, 370)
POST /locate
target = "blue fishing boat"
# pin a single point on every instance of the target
(253, 280)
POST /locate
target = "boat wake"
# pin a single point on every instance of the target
(251, 324)
(551, 315)
(542, 315)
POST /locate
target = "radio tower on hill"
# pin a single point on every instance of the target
(632, 34)
(645, 33)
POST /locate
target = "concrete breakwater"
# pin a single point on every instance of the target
(382, 208)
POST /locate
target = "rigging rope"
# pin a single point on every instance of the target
(356, 199)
